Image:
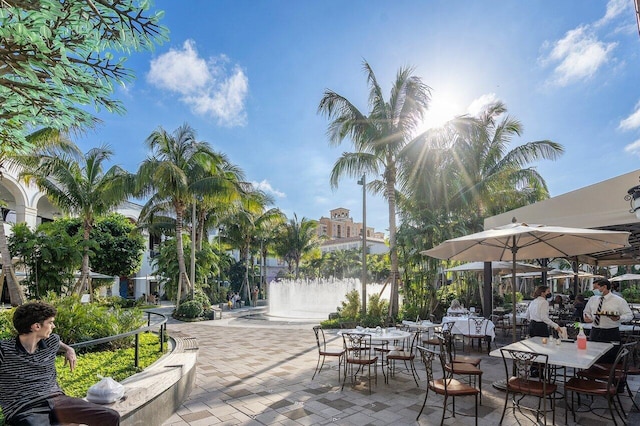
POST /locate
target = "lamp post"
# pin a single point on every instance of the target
(363, 182)
(220, 229)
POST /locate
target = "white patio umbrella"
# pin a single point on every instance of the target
(499, 266)
(518, 241)
(625, 277)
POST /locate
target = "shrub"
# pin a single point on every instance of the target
(201, 298)
(631, 294)
(350, 308)
(78, 322)
(6, 323)
(331, 324)
(190, 309)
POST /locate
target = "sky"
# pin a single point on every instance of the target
(248, 77)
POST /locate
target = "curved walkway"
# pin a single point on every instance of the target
(252, 372)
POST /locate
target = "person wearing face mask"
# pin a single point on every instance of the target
(538, 313)
(606, 327)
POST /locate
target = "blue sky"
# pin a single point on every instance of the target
(248, 76)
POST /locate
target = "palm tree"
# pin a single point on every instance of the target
(490, 178)
(378, 139)
(267, 236)
(81, 188)
(174, 176)
(242, 225)
(297, 239)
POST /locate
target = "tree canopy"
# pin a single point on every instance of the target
(58, 56)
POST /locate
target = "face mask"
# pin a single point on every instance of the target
(597, 293)
(549, 296)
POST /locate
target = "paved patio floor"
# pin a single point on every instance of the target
(254, 372)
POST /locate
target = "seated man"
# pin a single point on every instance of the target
(30, 394)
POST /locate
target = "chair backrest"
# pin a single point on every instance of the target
(427, 356)
(447, 348)
(522, 362)
(633, 340)
(618, 371)
(320, 339)
(447, 327)
(477, 325)
(358, 345)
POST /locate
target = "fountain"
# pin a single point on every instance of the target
(313, 299)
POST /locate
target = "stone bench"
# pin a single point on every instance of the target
(153, 395)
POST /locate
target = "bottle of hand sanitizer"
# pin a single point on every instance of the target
(582, 339)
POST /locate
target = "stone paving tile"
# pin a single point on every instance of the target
(262, 376)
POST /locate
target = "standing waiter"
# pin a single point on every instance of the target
(606, 328)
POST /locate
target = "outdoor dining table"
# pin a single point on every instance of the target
(422, 326)
(380, 336)
(566, 354)
(461, 326)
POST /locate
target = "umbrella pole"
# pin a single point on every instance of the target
(514, 250)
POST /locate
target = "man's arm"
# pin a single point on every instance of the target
(587, 313)
(69, 355)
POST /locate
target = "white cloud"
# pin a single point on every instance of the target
(208, 87)
(266, 187)
(633, 148)
(578, 56)
(615, 8)
(632, 121)
(479, 104)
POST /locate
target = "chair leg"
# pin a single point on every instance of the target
(344, 380)
(318, 370)
(444, 410)
(611, 411)
(414, 373)
(476, 396)
(426, 395)
(504, 410)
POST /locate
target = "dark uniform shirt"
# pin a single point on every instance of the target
(26, 378)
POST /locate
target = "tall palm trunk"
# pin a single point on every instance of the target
(183, 279)
(16, 295)
(263, 270)
(85, 279)
(390, 177)
(244, 290)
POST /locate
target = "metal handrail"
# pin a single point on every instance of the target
(149, 327)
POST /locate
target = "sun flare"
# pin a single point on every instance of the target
(442, 108)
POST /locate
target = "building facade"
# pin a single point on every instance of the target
(340, 232)
(24, 202)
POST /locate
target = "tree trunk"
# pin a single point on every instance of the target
(183, 279)
(85, 279)
(16, 294)
(390, 175)
(244, 290)
(263, 270)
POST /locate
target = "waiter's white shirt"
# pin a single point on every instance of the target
(538, 310)
(611, 303)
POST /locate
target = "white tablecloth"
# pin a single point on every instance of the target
(462, 326)
(566, 354)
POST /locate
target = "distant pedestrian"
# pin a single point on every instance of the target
(256, 291)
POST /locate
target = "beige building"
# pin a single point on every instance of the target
(342, 233)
